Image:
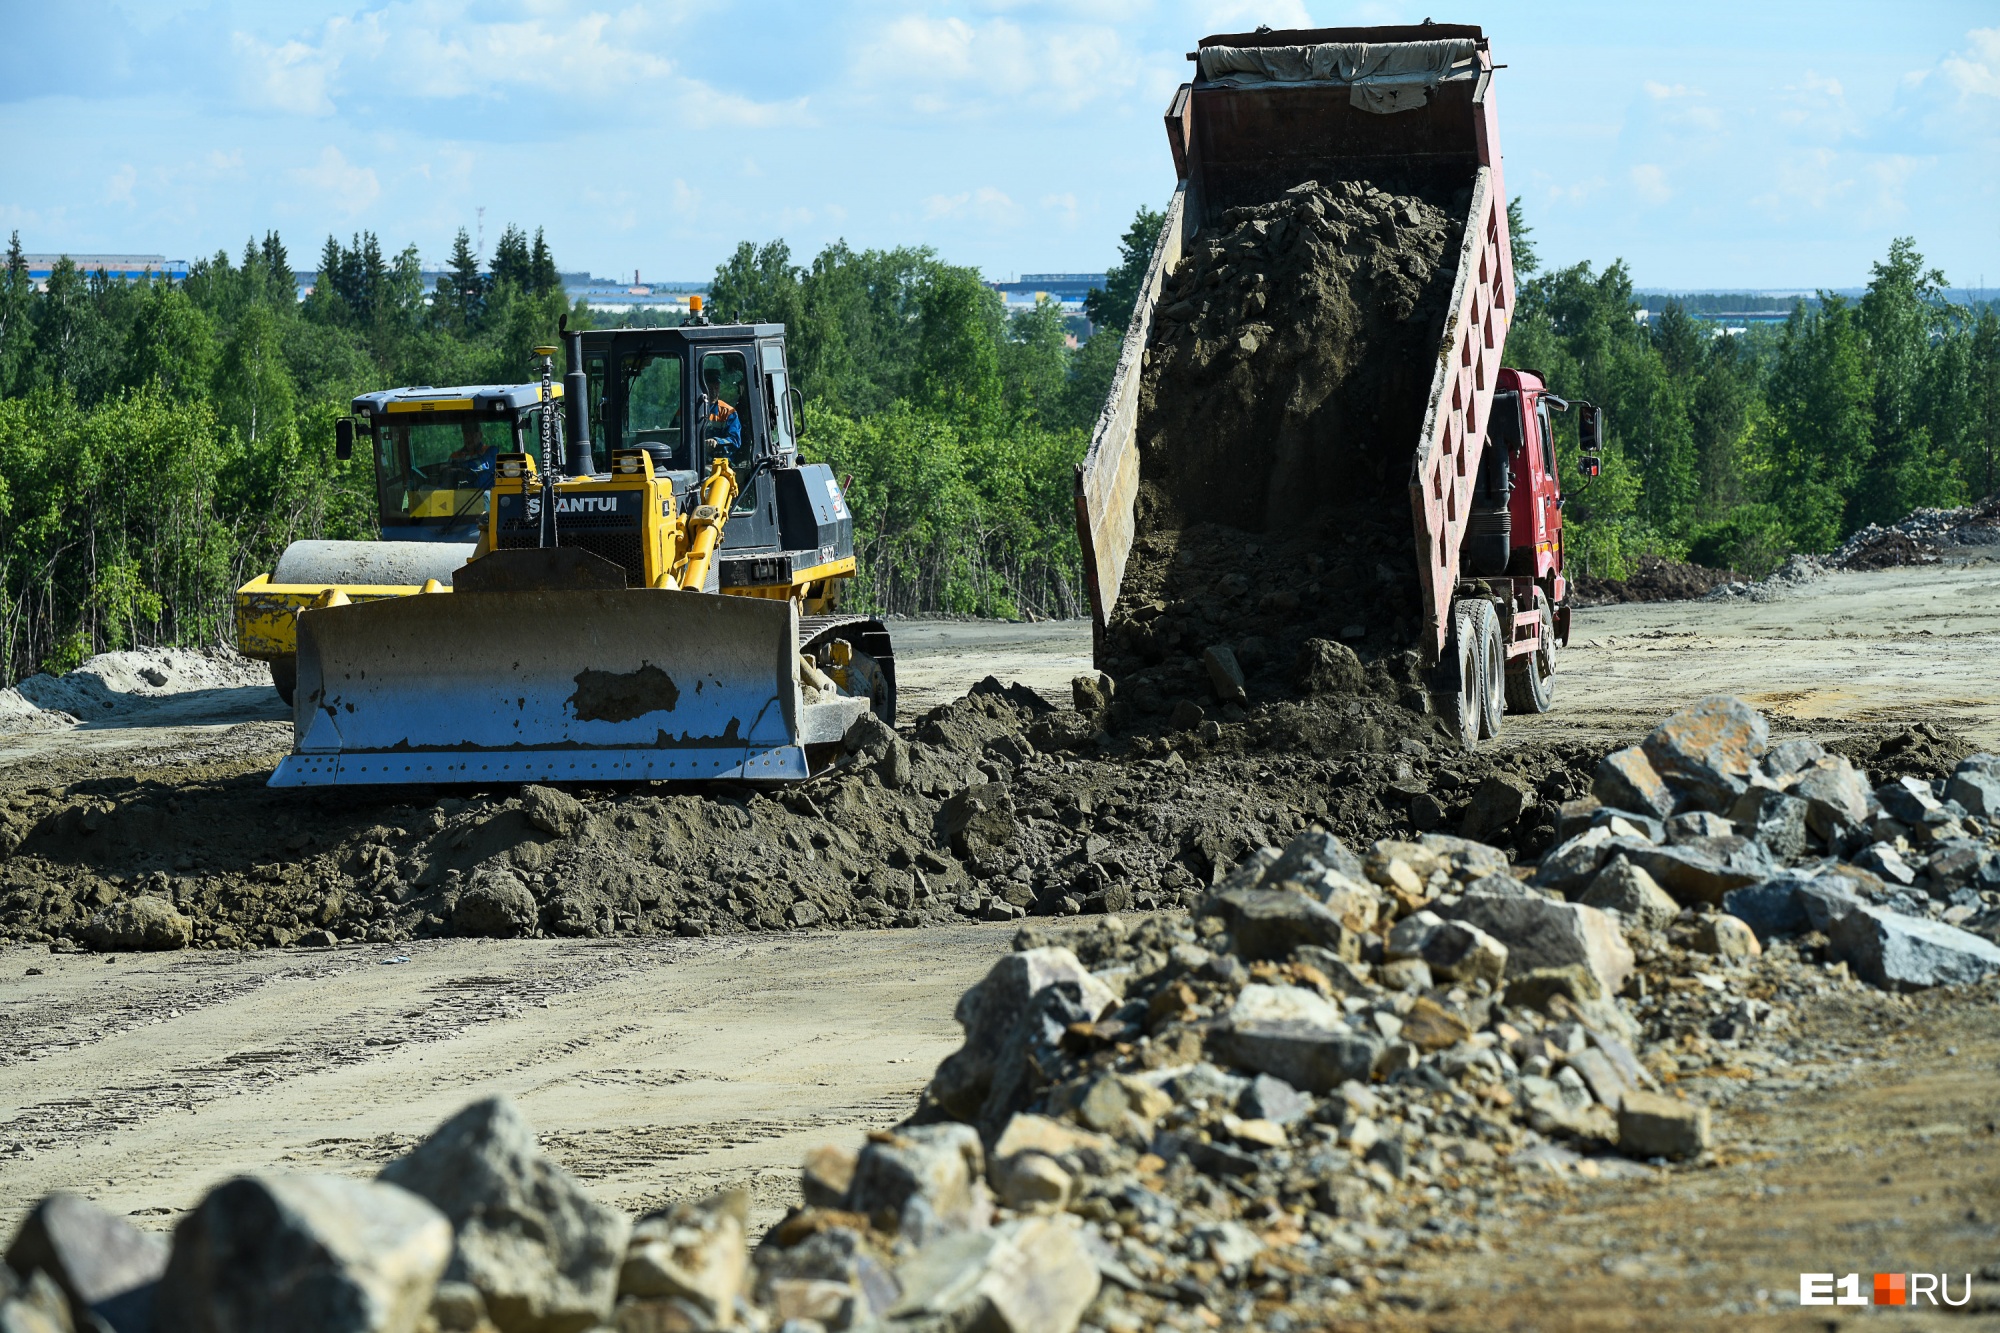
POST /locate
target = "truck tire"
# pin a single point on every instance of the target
(1493, 675)
(1531, 683)
(1458, 705)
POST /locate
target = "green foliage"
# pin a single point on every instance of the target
(1737, 451)
(1111, 307)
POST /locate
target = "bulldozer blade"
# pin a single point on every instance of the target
(554, 685)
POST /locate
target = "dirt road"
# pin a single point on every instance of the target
(653, 1068)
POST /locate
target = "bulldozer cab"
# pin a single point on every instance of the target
(434, 454)
(690, 395)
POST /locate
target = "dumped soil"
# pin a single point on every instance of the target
(1285, 383)
(997, 806)
(1887, 548)
(1657, 579)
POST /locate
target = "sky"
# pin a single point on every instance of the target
(1708, 145)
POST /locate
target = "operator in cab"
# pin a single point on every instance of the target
(722, 424)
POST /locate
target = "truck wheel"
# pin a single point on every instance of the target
(285, 677)
(1493, 675)
(1531, 686)
(1458, 708)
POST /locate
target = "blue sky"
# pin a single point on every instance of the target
(1743, 144)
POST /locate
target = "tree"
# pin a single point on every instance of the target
(1822, 421)
(461, 292)
(17, 303)
(959, 318)
(511, 260)
(172, 345)
(253, 389)
(1984, 434)
(1111, 306)
(1526, 261)
(758, 284)
(543, 275)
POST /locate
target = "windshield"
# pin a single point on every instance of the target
(439, 468)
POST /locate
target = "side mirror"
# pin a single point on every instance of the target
(1592, 465)
(1590, 427)
(343, 439)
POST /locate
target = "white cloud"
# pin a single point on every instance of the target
(1976, 71)
(290, 76)
(1660, 92)
(1649, 182)
(1062, 205)
(351, 188)
(1245, 15)
(118, 190)
(950, 66)
(985, 204)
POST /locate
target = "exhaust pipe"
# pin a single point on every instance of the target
(576, 404)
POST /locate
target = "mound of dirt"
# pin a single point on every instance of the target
(1284, 389)
(1657, 579)
(1885, 548)
(113, 683)
(998, 805)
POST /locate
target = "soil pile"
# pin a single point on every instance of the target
(1284, 390)
(998, 805)
(1921, 538)
(1657, 579)
(1884, 548)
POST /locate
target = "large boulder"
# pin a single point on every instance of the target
(922, 1181)
(1702, 870)
(1294, 1034)
(1910, 953)
(1626, 780)
(1836, 796)
(1021, 1007)
(1034, 1275)
(1626, 889)
(105, 1266)
(978, 819)
(693, 1255)
(1775, 820)
(1975, 784)
(315, 1254)
(1542, 934)
(553, 811)
(541, 1251)
(1709, 751)
(141, 924)
(1270, 923)
(497, 905)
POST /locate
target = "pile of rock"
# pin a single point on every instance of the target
(1919, 539)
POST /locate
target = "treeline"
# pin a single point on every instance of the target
(162, 442)
(1735, 450)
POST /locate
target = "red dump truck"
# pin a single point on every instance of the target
(1268, 111)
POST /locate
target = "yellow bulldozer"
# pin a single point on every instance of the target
(628, 575)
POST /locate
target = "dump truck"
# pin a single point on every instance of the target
(1271, 112)
(629, 575)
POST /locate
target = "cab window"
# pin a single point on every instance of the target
(653, 400)
(436, 468)
(725, 425)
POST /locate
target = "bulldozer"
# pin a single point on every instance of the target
(627, 575)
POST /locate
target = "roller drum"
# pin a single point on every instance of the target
(395, 564)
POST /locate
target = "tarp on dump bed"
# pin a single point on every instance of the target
(1384, 76)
